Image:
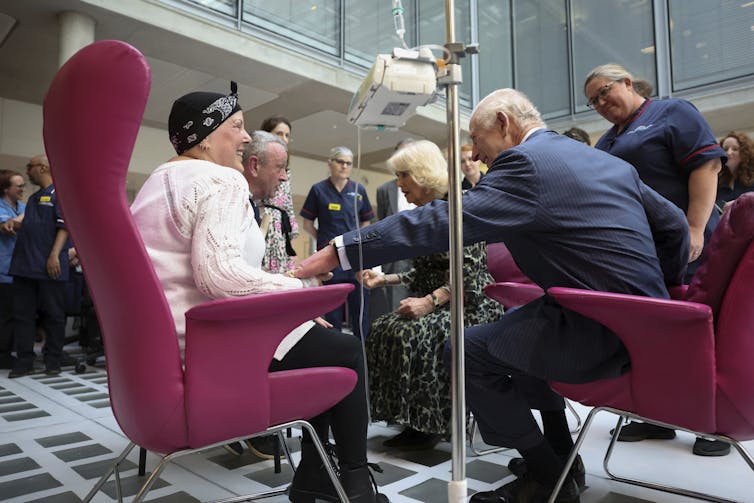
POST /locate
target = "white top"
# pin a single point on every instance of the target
(199, 230)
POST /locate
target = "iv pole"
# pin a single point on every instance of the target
(457, 487)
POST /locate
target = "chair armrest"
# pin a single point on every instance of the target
(678, 292)
(229, 347)
(671, 345)
(513, 294)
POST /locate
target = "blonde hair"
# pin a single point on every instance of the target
(513, 103)
(423, 161)
(611, 71)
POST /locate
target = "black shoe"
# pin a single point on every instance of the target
(234, 448)
(311, 481)
(635, 432)
(20, 373)
(7, 361)
(704, 447)
(517, 466)
(360, 486)
(263, 447)
(528, 490)
(413, 440)
(52, 371)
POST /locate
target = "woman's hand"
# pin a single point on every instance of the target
(415, 307)
(370, 279)
(53, 266)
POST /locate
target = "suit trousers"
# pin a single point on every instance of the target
(509, 363)
(47, 297)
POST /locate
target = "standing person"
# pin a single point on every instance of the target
(538, 198)
(40, 271)
(196, 219)
(672, 147)
(469, 167)
(340, 205)
(11, 191)
(279, 226)
(409, 384)
(390, 200)
(737, 176)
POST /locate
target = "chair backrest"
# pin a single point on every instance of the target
(92, 114)
(724, 282)
(501, 265)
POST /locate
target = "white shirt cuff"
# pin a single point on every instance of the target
(345, 264)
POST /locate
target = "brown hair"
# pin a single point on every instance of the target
(5, 177)
(745, 171)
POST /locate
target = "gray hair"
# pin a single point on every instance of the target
(335, 152)
(611, 71)
(513, 103)
(257, 147)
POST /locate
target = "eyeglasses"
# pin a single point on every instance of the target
(21, 186)
(602, 94)
(343, 162)
(32, 164)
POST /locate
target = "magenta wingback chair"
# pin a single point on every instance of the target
(92, 114)
(690, 357)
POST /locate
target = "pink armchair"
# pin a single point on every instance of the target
(92, 114)
(690, 358)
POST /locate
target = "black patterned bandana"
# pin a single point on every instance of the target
(195, 115)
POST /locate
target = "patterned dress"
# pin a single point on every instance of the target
(409, 384)
(276, 259)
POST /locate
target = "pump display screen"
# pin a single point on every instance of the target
(395, 108)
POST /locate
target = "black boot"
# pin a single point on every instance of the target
(311, 480)
(360, 486)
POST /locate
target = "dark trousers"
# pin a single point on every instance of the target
(509, 363)
(6, 323)
(46, 297)
(353, 302)
(348, 419)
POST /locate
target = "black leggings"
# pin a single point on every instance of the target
(323, 347)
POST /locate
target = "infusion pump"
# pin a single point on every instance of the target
(393, 88)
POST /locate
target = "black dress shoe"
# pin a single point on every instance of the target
(263, 447)
(636, 432)
(13, 374)
(234, 448)
(517, 466)
(413, 440)
(704, 447)
(528, 490)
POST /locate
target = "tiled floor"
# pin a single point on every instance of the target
(57, 435)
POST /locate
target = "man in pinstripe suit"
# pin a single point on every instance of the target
(571, 216)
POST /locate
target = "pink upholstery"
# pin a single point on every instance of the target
(92, 114)
(691, 359)
(513, 288)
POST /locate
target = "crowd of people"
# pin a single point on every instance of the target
(218, 220)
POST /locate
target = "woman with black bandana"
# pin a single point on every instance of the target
(197, 224)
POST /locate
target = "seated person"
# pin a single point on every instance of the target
(409, 384)
(195, 216)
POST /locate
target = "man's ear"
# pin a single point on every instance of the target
(502, 123)
(253, 165)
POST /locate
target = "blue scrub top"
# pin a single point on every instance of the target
(42, 219)
(334, 209)
(665, 141)
(7, 242)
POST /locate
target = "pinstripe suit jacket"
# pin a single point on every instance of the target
(570, 215)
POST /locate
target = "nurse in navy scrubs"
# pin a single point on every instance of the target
(340, 205)
(672, 147)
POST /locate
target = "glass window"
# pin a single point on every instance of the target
(622, 33)
(312, 22)
(225, 6)
(370, 30)
(495, 51)
(710, 41)
(432, 31)
(541, 54)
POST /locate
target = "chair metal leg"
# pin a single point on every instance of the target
(112, 468)
(623, 416)
(323, 455)
(575, 416)
(286, 450)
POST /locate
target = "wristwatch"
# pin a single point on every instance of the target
(435, 300)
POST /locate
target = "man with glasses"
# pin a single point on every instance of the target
(40, 271)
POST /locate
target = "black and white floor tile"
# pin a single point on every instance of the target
(58, 435)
